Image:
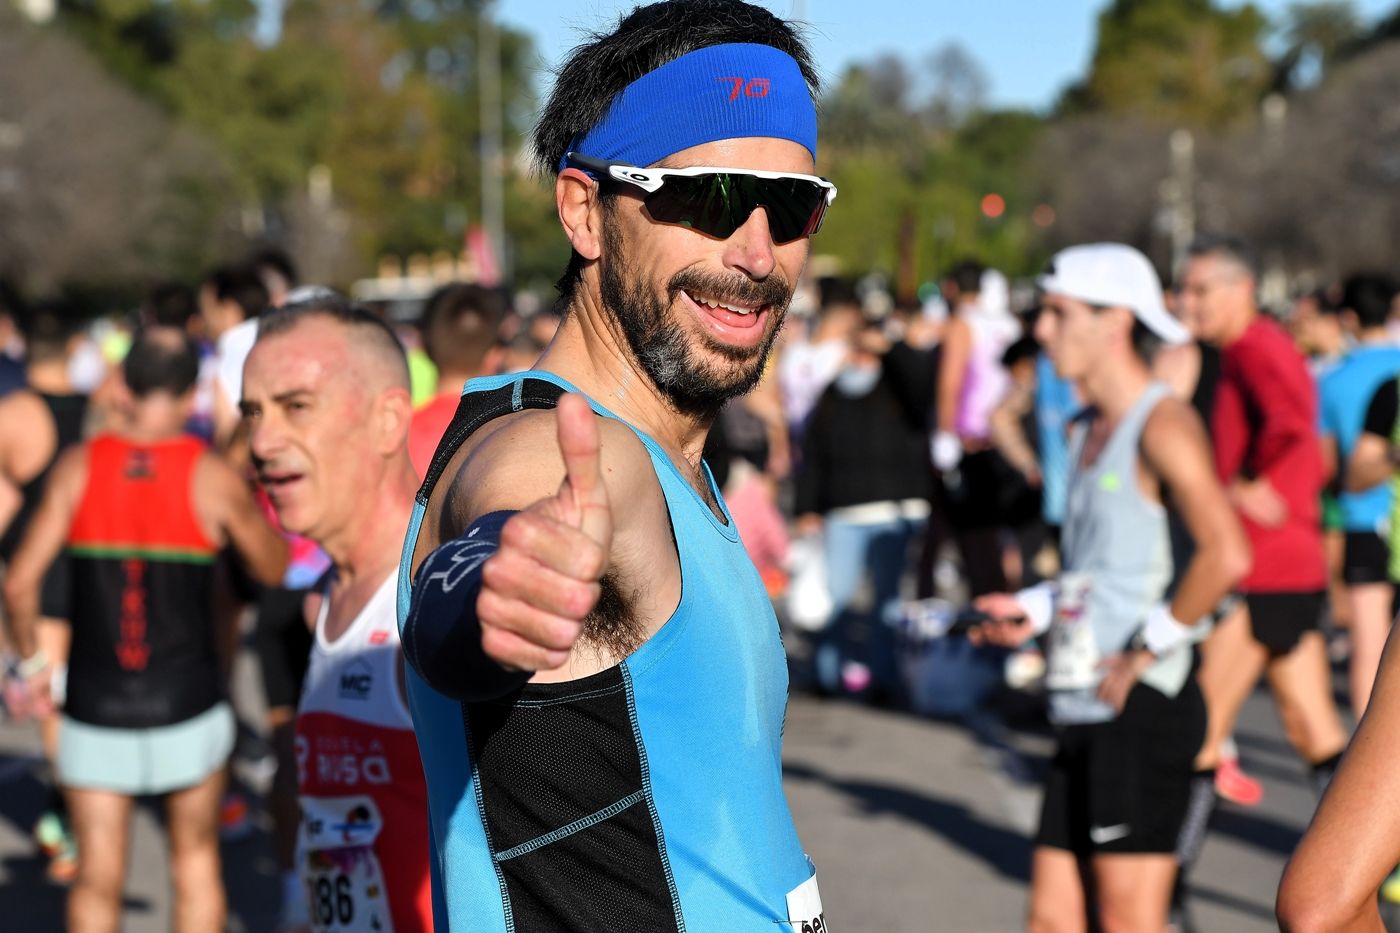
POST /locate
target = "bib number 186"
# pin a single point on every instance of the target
(333, 900)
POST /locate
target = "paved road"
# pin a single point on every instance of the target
(914, 826)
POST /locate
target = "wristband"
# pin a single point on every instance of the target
(36, 663)
(1160, 633)
(945, 450)
(441, 635)
(1039, 603)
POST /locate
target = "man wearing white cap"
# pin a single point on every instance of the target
(1128, 712)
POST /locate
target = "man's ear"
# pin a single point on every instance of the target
(580, 211)
(394, 412)
(1124, 319)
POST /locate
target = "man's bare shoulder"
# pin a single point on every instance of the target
(21, 400)
(517, 462)
(1173, 437)
(215, 476)
(20, 412)
(1172, 419)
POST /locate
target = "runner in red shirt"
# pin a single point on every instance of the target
(460, 323)
(1269, 455)
(319, 366)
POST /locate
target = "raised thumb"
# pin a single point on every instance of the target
(583, 491)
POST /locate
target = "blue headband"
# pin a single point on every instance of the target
(719, 92)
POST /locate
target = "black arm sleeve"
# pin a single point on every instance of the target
(441, 634)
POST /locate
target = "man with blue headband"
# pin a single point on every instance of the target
(596, 675)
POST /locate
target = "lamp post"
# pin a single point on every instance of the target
(492, 182)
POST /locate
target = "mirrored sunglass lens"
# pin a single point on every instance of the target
(719, 203)
(791, 204)
(704, 202)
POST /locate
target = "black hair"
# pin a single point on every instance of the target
(838, 291)
(162, 359)
(169, 304)
(967, 276)
(11, 304)
(48, 325)
(645, 39)
(1370, 296)
(1228, 247)
(460, 323)
(1025, 348)
(272, 259)
(314, 301)
(1146, 343)
(239, 284)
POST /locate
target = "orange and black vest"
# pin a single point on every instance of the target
(143, 651)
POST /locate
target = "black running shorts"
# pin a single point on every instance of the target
(1124, 786)
(1367, 558)
(1279, 620)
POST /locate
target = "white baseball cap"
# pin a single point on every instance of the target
(1115, 276)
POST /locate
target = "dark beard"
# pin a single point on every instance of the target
(692, 387)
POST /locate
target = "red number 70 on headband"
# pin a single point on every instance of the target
(752, 87)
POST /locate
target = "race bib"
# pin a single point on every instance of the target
(344, 884)
(804, 904)
(1072, 661)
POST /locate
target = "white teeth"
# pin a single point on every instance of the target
(715, 303)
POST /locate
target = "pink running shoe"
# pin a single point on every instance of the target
(1236, 786)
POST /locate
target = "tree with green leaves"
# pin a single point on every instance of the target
(382, 101)
(914, 154)
(1177, 61)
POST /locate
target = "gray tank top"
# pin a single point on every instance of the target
(1117, 564)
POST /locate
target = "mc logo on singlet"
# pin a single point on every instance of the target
(356, 681)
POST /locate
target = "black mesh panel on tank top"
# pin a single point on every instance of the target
(565, 805)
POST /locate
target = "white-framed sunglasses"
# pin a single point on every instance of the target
(718, 201)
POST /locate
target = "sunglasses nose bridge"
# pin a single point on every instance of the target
(750, 247)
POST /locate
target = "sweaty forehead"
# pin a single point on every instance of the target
(307, 357)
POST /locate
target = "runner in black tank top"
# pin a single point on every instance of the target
(142, 514)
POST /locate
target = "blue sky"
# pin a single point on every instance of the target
(1030, 49)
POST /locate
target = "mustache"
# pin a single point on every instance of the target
(774, 291)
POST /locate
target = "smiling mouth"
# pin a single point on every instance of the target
(717, 304)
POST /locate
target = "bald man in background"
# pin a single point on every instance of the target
(326, 405)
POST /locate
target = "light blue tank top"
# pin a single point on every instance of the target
(706, 697)
(1118, 540)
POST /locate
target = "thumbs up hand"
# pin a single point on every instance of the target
(543, 581)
